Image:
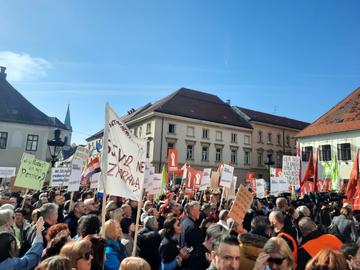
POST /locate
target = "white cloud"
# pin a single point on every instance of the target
(22, 66)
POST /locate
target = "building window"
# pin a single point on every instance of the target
(279, 160)
(148, 149)
(205, 153)
(247, 157)
(260, 159)
(305, 155)
(288, 140)
(260, 138)
(189, 151)
(218, 135)
(205, 133)
(32, 142)
(233, 156)
(246, 139)
(218, 154)
(325, 152)
(279, 139)
(269, 138)
(140, 131)
(135, 132)
(3, 140)
(344, 151)
(233, 137)
(148, 128)
(171, 129)
(190, 131)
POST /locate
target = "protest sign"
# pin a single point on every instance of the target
(147, 175)
(291, 169)
(260, 188)
(227, 174)
(81, 153)
(241, 205)
(278, 185)
(156, 184)
(75, 177)
(124, 161)
(250, 179)
(205, 180)
(95, 180)
(60, 176)
(198, 177)
(172, 160)
(7, 172)
(32, 173)
(190, 181)
(214, 180)
(149, 181)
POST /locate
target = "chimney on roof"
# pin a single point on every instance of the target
(228, 101)
(2, 72)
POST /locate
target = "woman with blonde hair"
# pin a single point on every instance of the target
(55, 263)
(115, 252)
(276, 255)
(80, 254)
(134, 263)
(327, 259)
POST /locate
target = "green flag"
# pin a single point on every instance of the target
(335, 174)
(163, 180)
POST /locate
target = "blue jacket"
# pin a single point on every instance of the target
(115, 252)
(28, 261)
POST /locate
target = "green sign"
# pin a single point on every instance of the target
(32, 173)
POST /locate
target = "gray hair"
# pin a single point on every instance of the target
(306, 225)
(47, 209)
(5, 216)
(304, 210)
(278, 216)
(7, 206)
(149, 222)
(116, 213)
(191, 205)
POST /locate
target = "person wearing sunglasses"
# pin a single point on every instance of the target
(276, 255)
(79, 253)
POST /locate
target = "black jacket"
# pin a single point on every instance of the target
(72, 221)
(148, 247)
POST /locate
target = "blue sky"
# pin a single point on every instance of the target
(294, 58)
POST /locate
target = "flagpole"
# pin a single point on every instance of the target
(104, 161)
(137, 223)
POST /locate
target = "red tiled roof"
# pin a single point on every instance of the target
(345, 116)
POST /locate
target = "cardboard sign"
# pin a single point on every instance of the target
(241, 205)
(291, 169)
(60, 176)
(81, 153)
(7, 172)
(227, 174)
(260, 188)
(214, 180)
(173, 160)
(205, 180)
(32, 173)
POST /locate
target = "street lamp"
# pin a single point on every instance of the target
(55, 146)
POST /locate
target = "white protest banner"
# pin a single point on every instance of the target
(7, 172)
(123, 164)
(156, 184)
(95, 180)
(60, 176)
(278, 185)
(205, 181)
(241, 205)
(291, 169)
(226, 177)
(32, 173)
(75, 177)
(148, 176)
(260, 188)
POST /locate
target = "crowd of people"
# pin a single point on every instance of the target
(52, 229)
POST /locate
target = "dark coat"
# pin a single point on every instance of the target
(191, 236)
(346, 228)
(250, 247)
(72, 221)
(148, 247)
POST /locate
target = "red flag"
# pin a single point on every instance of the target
(172, 160)
(299, 155)
(316, 177)
(309, 173)
(353, 183)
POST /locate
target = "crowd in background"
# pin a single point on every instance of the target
(45, 230)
